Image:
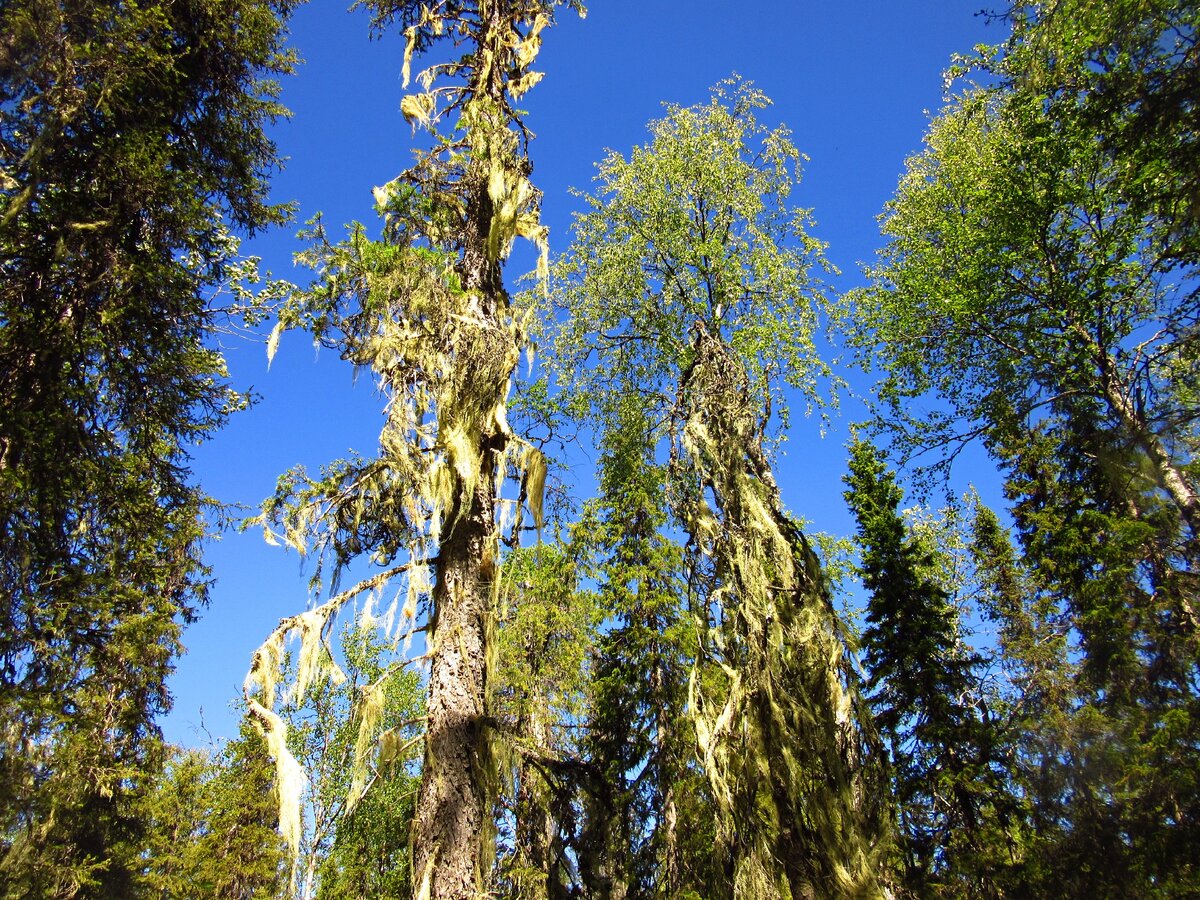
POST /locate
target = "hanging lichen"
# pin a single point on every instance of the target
(425, 310)
(690, 285)
(781, 730)
(289, 778)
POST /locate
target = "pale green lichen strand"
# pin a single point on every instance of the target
(773, 715)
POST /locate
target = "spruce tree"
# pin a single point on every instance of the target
(426, 309)
(129, 134)
(639, 840)
(925, 691)
(545, 643)
(210, 820)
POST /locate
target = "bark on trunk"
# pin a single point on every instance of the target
(1168, 475)
(604, 852)
(453, 811)
(670, 825)
(452, 803)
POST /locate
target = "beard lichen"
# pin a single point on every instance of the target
(782, 733)
(425, 310)
(289, 774)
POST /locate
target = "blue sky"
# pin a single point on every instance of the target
(854, 81)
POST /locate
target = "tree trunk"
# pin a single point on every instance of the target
(1167, 474)
(670, 824)
(604, 850)
(452, 803)
(454, 800)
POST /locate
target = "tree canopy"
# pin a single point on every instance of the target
(130, 135)
(509, 683)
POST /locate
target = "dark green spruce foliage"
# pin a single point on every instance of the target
(1116, 771)
(210, 821)
(544, 647)
(1033, 710)
(126, 132)
(924, 688)
(648, 830)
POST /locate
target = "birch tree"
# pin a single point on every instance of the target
(1038, 292)
(690, 285)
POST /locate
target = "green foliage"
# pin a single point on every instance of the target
(210, 825)
(926, 694)
(665, 704)
(129, 133)
(688, 307)
(1129, 72)
(369, 857)
(647, 829)
(353, 736)
(693, 227)
(548, 624)
(1091, 734)
(1016, 281)
(1039, 281)
(357, 811)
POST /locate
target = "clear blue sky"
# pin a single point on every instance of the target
(855, 81)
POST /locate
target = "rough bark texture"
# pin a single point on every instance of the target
(453, 805)
(603, 854)
(453, 801)
(670, 879)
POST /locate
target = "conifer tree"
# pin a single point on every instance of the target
(1034, 706)
(425, 307)
(210, 821)
(638, 839)
(925, 693)
(129, 132)
(1118, 706)
(544, 654)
